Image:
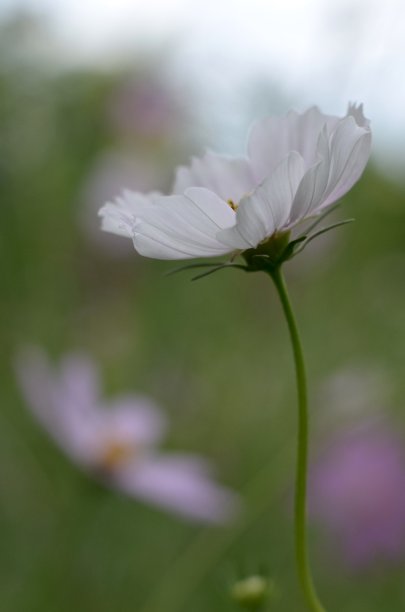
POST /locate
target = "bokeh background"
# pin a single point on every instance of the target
(100, 95)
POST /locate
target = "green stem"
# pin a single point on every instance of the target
(300, 519)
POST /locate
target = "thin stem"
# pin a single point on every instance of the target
(300, 519)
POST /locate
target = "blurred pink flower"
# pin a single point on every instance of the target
(117, 443)
(357, 490)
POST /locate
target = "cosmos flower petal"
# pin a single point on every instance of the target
(183, 226)
(156, 245)
(272, 138)
(177, 483)
(350, 148)
(134, 419)
(114, 222)
(171, 227)
(227, 177)
(267, 209)
(314, 182)
(79, 380)
(118, 217)
(357, 112)
(37, 386)
(64, 402)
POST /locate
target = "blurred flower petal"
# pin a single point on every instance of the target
(178, 483)
(134, 417)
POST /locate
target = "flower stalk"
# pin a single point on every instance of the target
(300, 511)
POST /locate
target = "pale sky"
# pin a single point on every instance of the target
(319, 51)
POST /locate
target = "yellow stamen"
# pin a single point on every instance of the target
(232, 205)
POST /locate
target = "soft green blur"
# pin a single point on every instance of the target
(214, 353)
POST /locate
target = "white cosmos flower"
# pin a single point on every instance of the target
(296, 166)
(117, 444)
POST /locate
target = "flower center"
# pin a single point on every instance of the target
(232, 204)
(115, 453)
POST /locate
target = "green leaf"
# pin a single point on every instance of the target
(191, 267)
(217, 268)
(320, 232)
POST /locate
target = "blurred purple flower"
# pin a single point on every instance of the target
(117, 443)
(357, 490)
(144, 107)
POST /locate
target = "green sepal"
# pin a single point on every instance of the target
(291, 246)
(323, 230)
(268, 254)
(192, 267)
(217, 268)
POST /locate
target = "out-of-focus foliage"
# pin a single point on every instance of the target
(214, 352)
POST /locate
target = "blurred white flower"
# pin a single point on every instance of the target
(297, 165)
(117, 443)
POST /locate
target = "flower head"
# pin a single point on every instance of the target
(357, 490)
(297, 166)
(117, 443)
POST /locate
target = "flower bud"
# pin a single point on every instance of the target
(252, 592)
